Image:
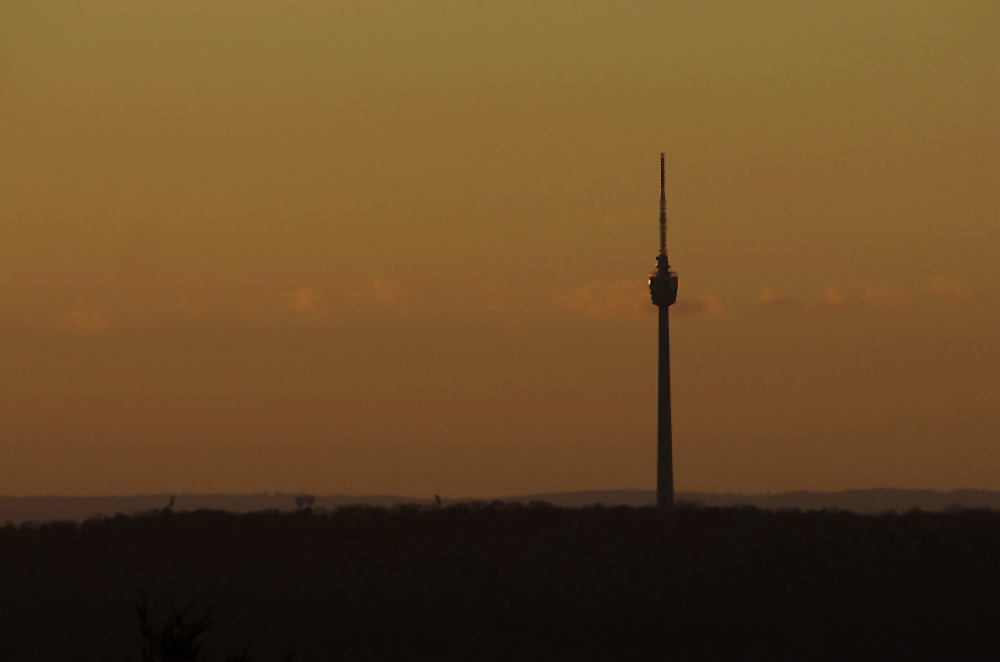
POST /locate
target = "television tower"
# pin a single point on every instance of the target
(663, 290)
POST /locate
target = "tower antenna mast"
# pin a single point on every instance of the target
(663, 209)
(663, 291)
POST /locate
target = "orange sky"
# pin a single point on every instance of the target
(394, 247)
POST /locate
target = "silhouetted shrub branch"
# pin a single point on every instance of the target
(179, 640)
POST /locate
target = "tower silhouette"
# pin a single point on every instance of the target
(663, 290)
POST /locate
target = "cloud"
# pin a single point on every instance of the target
(772, 299)
(86, 321)
(515, 317)
(949, 289)
(623, 300)
(946, 289)
(306, 301)
(382, 291)
(830, 300)
(629, 301)
(887, 298)
(706, 305)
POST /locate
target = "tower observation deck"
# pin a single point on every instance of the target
(663, 290)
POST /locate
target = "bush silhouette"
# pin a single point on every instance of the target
(179, 640)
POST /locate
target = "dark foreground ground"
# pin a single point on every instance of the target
(512, 582)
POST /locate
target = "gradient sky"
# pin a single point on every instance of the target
(401, 247)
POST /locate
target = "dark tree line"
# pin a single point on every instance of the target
(503, 582)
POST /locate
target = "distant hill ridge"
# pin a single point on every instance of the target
(52, 508)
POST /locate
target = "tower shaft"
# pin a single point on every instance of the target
(664, 425)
